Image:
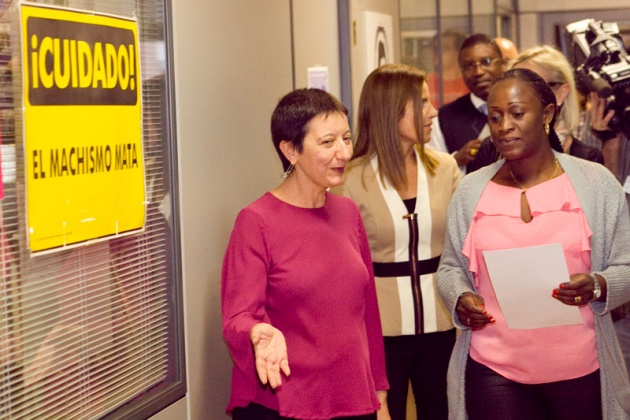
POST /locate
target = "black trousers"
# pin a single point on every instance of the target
(423, 360)
(491, 396)
(258, 412)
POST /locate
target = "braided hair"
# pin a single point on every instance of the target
(544, 94)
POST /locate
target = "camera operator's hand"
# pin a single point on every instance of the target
(611, 142)
(599, 121)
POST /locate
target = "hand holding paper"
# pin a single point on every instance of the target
(471, 311)
(580, 290)
(524, 279)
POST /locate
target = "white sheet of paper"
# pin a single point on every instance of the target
(523, 280)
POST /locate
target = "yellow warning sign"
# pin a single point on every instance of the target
(82, 126)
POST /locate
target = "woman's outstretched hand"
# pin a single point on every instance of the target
(270, 350)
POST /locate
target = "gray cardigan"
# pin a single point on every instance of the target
(607, 214)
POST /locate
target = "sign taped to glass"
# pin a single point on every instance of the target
(82, 126)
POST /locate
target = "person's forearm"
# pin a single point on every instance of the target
(383, 412)
(610, 151)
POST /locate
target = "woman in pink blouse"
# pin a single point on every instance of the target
(536, 196)
(300, 315)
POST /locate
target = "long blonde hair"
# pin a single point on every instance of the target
(384, 96)
(552, 60)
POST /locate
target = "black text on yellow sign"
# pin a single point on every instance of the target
(82, 69)
(84, 160)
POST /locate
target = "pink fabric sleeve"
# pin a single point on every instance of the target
(469, 251)
(243, 285)
(372, 317)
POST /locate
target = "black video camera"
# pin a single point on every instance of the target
(602, 65)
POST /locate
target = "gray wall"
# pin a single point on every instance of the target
(232, 63)
(315, 41)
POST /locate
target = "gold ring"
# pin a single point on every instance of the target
(578, 299)
(472, 152)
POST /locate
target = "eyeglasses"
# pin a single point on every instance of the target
(484, 63)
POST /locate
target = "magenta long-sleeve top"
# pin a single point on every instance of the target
(307, 272)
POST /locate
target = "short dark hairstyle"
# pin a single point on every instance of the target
(295, 111)
(476, 39)
(542, 91)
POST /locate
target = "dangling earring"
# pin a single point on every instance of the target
(547, 128)
(286, 173)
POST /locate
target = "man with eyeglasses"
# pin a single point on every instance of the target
(462, 124)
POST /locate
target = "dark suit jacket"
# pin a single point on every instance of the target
(460, 122)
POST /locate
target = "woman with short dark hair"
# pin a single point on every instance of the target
(300, 315)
